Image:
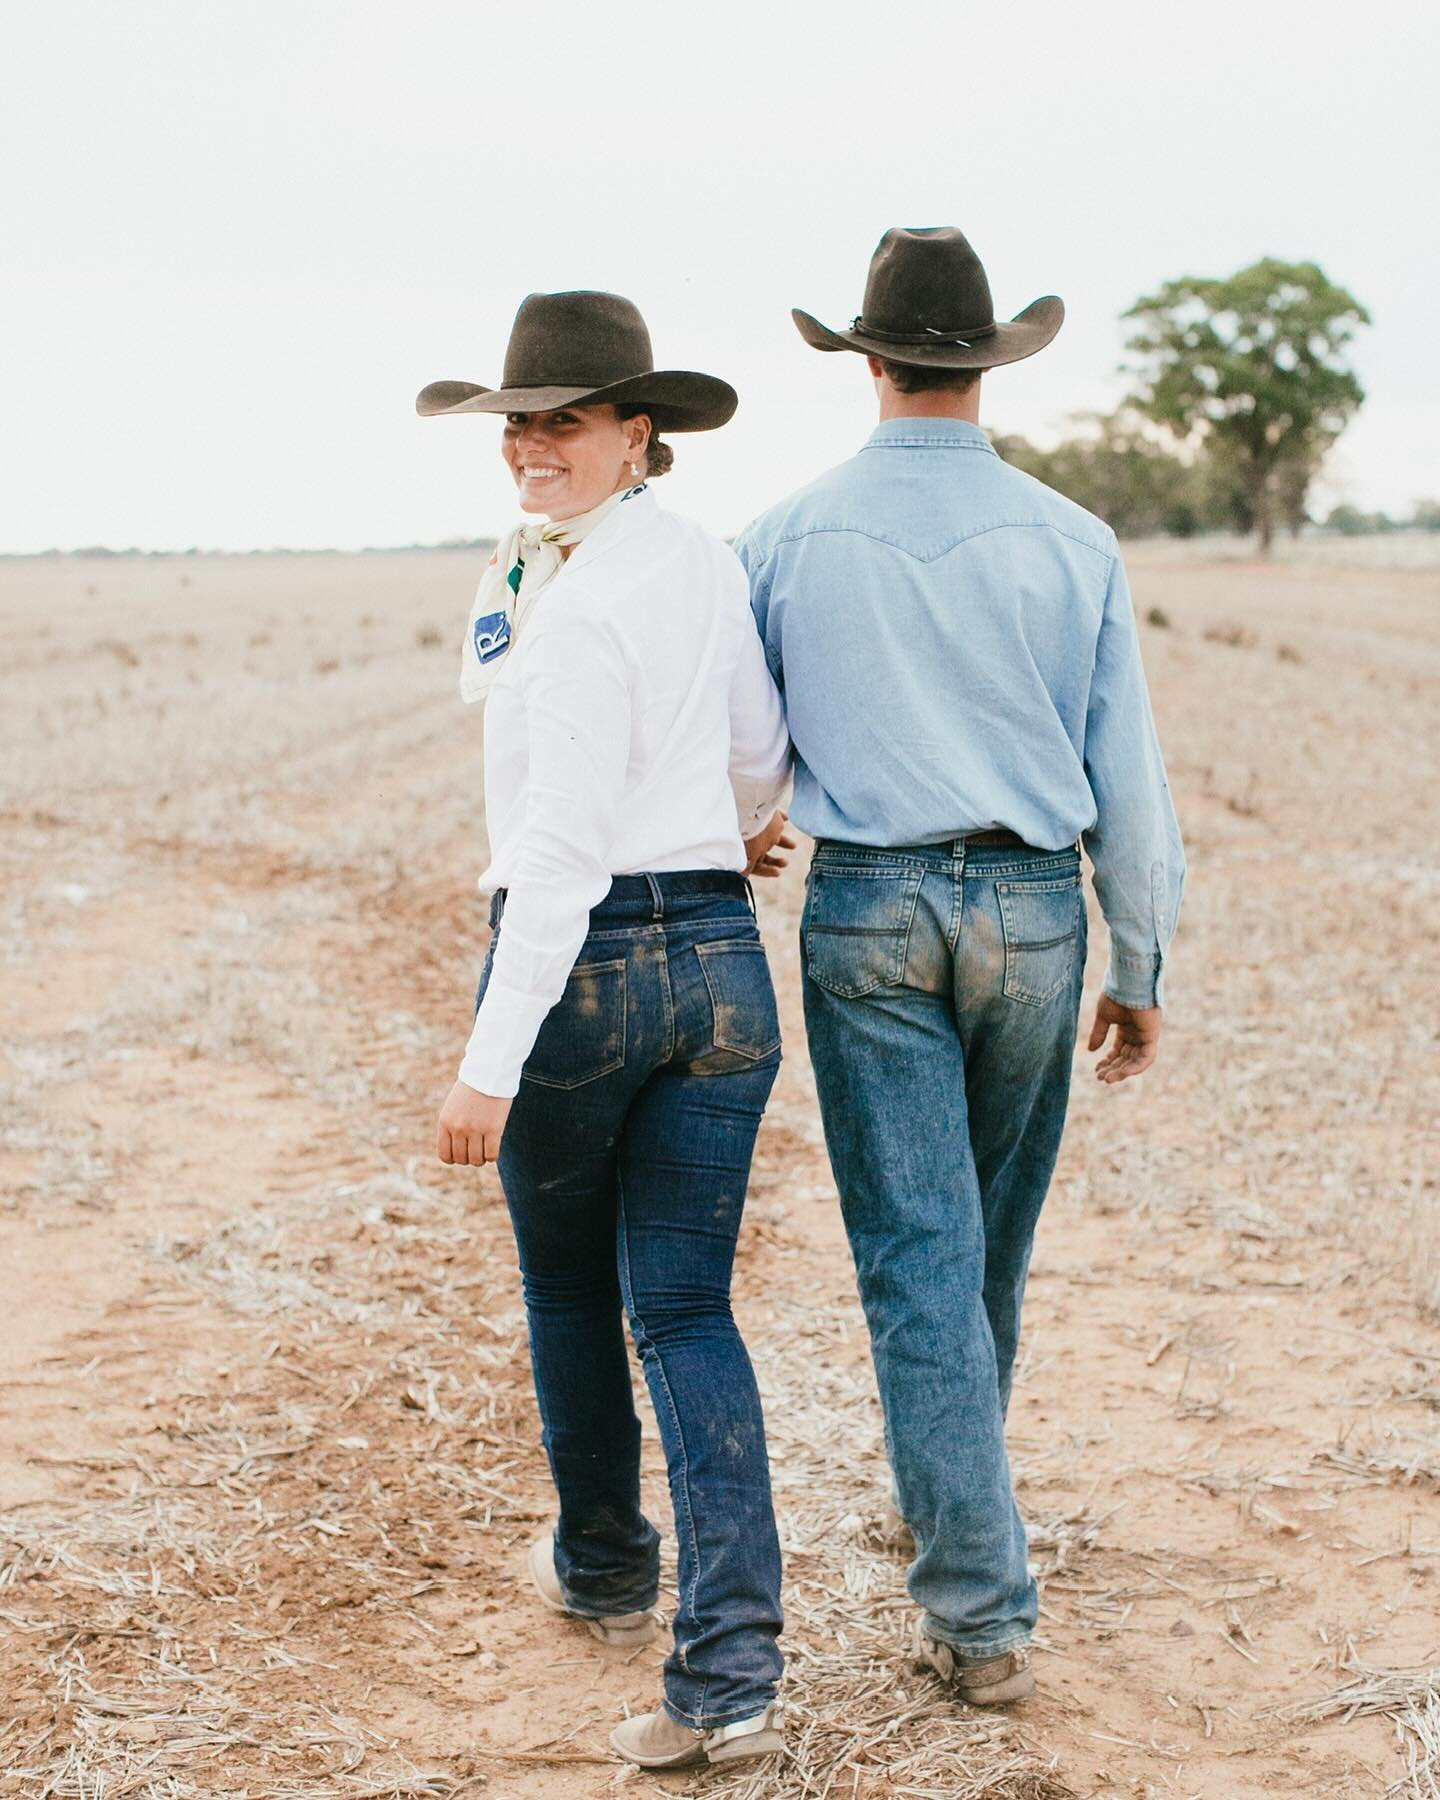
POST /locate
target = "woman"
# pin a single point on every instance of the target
(626, 1038)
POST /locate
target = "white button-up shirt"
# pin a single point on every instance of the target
(634, 728)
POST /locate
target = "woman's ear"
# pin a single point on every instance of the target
(638, 438)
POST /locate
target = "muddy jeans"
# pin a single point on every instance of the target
(942, 990)
(625, 1164)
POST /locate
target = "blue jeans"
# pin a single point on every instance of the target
(625, 1164)
(941, 997)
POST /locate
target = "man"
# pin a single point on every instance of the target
(958, 654)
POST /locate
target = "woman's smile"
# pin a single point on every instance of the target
(600, 453)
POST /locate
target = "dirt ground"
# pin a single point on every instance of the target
(268, 1454)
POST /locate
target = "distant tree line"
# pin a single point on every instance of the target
(103, 550)
(1349, 521)
(1116, 467)
(1239, 389)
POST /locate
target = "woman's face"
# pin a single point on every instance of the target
(567, 461)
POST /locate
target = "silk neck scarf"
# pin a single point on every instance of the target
(523, 566)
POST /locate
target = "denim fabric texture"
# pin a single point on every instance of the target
(625, 1164)
(942, 989)
(958, 651)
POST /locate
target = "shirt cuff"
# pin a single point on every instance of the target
(753, 820)
(1136, 981)
(756, 803)
(504, 1034)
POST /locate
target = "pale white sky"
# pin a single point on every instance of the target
(238, 238)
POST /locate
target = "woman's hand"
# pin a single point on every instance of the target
(471, 1126)
(761, 851)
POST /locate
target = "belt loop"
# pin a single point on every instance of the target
(657, 899)
(750, 896)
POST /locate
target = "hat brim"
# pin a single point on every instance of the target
(1026, 333)
(676, 399)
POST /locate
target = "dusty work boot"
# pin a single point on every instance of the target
(892, 1533)
(656, 1741)
(994, 1682)
(629, 1630)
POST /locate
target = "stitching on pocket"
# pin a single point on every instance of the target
(1015, 985)
(909, 883)
(556, 1014)
(864, 871)
(723, 947)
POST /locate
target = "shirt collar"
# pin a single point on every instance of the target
(635, 511)
(928, 434)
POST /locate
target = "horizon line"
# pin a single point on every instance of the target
(100, 552)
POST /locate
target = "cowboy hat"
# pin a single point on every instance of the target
(586, 348)
(927, 303)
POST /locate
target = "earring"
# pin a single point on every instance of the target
(634, 468)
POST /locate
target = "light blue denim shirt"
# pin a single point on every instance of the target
(957, 649)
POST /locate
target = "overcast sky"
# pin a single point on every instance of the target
(238, 238)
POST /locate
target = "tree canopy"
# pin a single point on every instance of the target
(1252, 372)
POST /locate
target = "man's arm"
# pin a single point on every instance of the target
(1134, 843)
(757, 565)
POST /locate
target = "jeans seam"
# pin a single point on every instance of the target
(971, 1652)
(668, 994)
(957, 910)
(688, 1600)
(642, 928)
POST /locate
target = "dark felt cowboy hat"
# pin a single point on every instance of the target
(586, 348)
(927, 302)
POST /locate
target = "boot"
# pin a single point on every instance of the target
(628, 1630)
(656, 1741)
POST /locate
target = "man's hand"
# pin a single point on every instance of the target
(761, 851)
(471, 1126)
(1135, 1043)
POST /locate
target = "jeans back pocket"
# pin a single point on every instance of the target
(857, 925)
(1041, 923)
(742, 999)
(583, 1036)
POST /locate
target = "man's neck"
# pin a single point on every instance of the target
(931, 404)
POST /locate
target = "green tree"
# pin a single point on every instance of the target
(1252, 371)
(1349, 521)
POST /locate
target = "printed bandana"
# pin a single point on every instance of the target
(522, 567)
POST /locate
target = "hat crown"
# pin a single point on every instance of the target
(926, 279)
(584, 339)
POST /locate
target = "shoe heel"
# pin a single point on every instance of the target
(624, 1637)
(1019, 1686)
(759, 1743)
